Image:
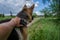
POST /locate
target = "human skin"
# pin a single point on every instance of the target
(7, 27)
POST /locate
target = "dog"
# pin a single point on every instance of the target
(26, 17)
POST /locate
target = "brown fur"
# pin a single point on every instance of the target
(29, 13)
(23, 29)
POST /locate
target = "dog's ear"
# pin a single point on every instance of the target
(32, 7)
(25, 7)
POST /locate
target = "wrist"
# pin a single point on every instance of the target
(16, 21)
(12, 23)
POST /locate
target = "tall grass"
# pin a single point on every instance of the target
(44, 29)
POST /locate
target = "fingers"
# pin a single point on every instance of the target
(16, 21)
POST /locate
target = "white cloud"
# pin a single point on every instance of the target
(10, 14)
(1, 1)
(36, 3)
(14, 5)
(39, 13)
(17, 4)
(29, 3)
(13, 2)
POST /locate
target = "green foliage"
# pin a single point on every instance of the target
(54, 7)
(1, 15)
(6, 17)
(46, 12)
(45, 15)
(34, 15)
(43, 29)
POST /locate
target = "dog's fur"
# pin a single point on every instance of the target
(23, 29)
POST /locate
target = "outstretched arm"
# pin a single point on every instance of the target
(7, 27)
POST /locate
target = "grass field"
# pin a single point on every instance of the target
(43, 29)
(7, 17)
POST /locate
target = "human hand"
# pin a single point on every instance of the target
(16, 21)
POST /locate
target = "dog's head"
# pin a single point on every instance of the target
(26, 13)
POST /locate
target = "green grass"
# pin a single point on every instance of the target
(7, 17)
(44, 29)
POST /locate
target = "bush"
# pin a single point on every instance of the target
(34, 15)
(1, 15)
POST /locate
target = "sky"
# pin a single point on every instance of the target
(16, 5)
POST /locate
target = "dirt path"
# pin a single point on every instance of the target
(35, 19)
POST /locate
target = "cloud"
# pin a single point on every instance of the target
(29, 3)
(36, 3)
(13, 5)
(39, 13)
(1, 1)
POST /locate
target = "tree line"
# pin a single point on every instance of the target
(52, 9)
(2, 14)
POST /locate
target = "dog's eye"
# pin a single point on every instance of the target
(27, 17)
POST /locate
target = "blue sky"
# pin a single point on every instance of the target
(16, 5)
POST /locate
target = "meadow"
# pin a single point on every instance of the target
(43, 29)
(6, 17)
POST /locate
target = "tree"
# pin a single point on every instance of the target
(11, 14)
(34, 15)
(1, 15)
(45, 11)
(54, 7)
